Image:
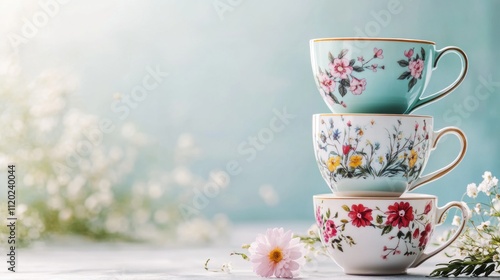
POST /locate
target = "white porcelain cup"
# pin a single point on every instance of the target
(381, 235)
(378, 155)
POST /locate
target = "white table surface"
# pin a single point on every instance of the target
(78, 259)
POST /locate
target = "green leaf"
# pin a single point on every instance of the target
(336, 215)
(345, 82)
(342, 90)
(417, 57)
(400, 234)
(351, 63)
(422, 52)
(330, 57)
(379, 219)
(408, 236)
(344, 221)
(328, 214)
(386, 229)
(342, 53)
(339, 246)
(358, 68)
(404, 75)
(334, 98)
(346, 208)
(403, 63)
(411, 83)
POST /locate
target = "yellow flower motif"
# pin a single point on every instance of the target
(332, 163)
(355, 161)
(412, 159)
(380, 159)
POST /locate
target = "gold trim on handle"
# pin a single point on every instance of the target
(374, 39)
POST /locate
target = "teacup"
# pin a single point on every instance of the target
(378, 155)
(378, 75)
(381, 236)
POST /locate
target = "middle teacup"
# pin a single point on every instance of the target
(378, 155)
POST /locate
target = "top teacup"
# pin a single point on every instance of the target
(378, 75)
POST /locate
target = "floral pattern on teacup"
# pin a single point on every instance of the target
(344, 152)
(405, 228)
(415, 67)
(341, 70)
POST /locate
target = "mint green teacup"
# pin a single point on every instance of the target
(378, 75)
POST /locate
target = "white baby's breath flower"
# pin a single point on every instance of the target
(483, 226)
(456, 221)
(488, 183)
(472, 190)
(477, 208)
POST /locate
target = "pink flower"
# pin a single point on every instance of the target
(409, 53)
(428, 208)
(349, 123)
(360, 215)
(357, 86)
(277, 253)
(424, 236)
(378, 53)
(340, 68)
(374, 67)
(416, 67)
(327, 84)
(318, 217)
(399, 214)
(416, 126)
(329, 230)
(361, 59)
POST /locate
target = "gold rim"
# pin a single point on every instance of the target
(403, 40)
(372, 115)
(408, 196)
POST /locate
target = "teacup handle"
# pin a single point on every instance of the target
(443, 171)
(440, 94)
(439, 216)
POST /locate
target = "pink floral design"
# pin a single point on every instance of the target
(318, 217)
(340, 68)
(327, 84)
(400, 214)
(329, 230)
(378, 53)
(415, 67)
(409, 53)
(357, 86)
(360, 215)
(341, 75)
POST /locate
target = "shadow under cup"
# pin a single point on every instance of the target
(378, 155)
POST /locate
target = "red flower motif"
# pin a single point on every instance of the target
(360, 215)
(428, 208)
(416, 233)
(424, 236)
(349, 123)
(346, 149)
(400, 214)
(329, 230)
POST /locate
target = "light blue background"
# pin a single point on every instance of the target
(229, 69)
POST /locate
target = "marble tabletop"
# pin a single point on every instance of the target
(81, 259)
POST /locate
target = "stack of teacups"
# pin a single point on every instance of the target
(371, 151)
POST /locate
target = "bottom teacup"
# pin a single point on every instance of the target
(382, 235)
